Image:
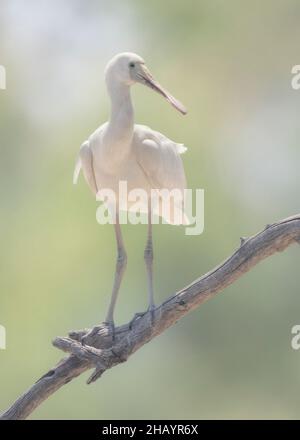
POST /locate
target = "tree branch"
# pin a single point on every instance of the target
(101, 352)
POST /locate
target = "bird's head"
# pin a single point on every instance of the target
(128, 68)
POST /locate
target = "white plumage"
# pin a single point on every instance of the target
(120, 150)
(153, 162)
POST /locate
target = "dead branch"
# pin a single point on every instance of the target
(101, 352)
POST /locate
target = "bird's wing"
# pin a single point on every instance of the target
(159, 157)
(85, 161)
(160, 160)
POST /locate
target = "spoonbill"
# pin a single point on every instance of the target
(120, 150)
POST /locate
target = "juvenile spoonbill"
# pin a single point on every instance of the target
(120, 150)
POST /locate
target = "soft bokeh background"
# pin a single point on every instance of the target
(230, 63)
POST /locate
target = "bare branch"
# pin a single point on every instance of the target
(102, 353)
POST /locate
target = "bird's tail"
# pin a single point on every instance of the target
(77, 171)
(181, 148)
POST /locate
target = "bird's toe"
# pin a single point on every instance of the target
(111, 328)
(151, 311)
(137, 316)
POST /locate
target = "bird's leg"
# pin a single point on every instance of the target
(148, 257)
(119, 272)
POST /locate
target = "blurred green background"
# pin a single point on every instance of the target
(230, 64)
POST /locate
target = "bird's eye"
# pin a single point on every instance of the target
(131, 65)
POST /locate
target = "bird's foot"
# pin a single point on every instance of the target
(135, 318)
(90, 335)
(85, 340)
(151, 310)
(112, 329)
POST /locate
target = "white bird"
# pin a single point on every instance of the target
(120, 150)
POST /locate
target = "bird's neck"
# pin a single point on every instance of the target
(120, 125)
